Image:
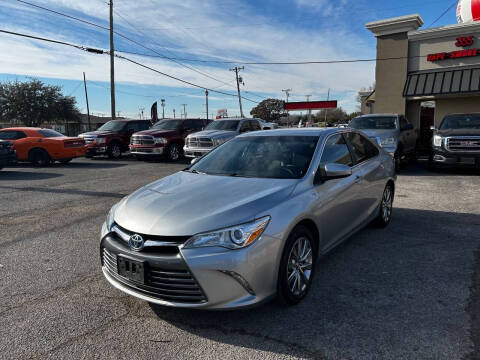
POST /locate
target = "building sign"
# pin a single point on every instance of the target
(462, 41)
(311, 105)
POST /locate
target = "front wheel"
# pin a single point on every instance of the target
(173, 152)
(296, 267)
(386, 208)
(114, 151)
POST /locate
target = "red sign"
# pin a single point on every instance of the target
(311, 105)
(462, 41)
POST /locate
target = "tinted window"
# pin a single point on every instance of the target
(12, 135)
(168, 125)
(284, 157)
(112, 126)
(144, 125)
(189, 124)
(461, 122)
(134, 126)
(374, 123)
(255, 125)
(362, 148)
(49, 133)
(230, 125)
(245, 127)
(336, 151)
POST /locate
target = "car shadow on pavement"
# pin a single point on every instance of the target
(12, 175)
(395, 293)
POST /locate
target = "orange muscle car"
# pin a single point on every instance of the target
(43, 146)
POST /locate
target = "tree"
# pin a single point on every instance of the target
(334, 116)
(33, 103)
(269, 110)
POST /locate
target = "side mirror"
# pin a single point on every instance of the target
(407, 127)
(194, 161)
(433, 128)
(331, 172)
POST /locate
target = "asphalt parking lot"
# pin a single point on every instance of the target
(411, 291)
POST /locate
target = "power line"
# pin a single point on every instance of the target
(444, 13)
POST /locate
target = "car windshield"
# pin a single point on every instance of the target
(230, 125)
(279, 157)
(168, 125)
(453, 122)
(113, 126)
(374, 123)
(50, 133)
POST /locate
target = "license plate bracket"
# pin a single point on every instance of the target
(131, 269)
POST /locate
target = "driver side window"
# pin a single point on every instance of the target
(245, 127)
(336, 151)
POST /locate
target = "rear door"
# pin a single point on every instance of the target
(368, 172)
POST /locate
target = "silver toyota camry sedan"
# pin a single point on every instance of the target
(247, 221)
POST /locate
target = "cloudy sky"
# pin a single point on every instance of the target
(189, 39)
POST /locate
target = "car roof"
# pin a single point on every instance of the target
(237, 119)
(297, 132)
(378, 115)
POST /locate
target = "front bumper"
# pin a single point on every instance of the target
(441, 157)
(96, 150)
(190, 152)
(147, 151)
(217, 278)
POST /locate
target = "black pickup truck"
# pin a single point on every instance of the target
(7, 154)
(456, 142)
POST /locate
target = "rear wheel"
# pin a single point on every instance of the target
(386, 208)
(173, 152)
(296, 266)
(39, 157)
(114, 151)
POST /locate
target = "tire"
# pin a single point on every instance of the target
(114, 151)
(39, 158)
(386, 208)
(173, 152)
(297, 267)
(398, 160)
(65, 161)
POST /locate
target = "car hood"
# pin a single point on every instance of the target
(380, 133)
(185, 204)
(157, 133)
(97, 133)
(458, 132)
(216, 134)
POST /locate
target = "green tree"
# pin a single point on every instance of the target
(33, 103)
(269, 110)
(334, 116)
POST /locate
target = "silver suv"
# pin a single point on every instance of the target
(248, 220)
(216, 133)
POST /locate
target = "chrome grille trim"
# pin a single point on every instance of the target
(463, 143)
(142, 140)
(199, 142)
(89, 139)
(148, 243)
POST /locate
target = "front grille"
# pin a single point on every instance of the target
(89, 139)
(165, 284)
(143, 140)
(199, 142)
(470, 143)
(168, 239)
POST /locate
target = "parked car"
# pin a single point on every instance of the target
(392, 132)
(8, 154)
(269, 125)
(457, 141)
(43, 146)
(113, 138)
(165, 138)
(216, 133)
(248, 220)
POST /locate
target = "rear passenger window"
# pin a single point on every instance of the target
(12, 135)
(199, 124)
(144, 125)
(255, 125)
(336, 151)
(362, 148)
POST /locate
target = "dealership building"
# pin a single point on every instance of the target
(424, 73)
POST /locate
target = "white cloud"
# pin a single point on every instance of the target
(211, 33)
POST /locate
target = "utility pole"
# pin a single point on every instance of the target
(287, 93)
(86, 96)
(141, 112)
(184, 110)
(326, 110)
(206, 101)
(174, 113)
(163, 108)
(112, 63)
(309, 112)
(237, 70)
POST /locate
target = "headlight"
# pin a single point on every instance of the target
(100, 140)
(217, 142)
(437, 141)
(110, 217)
(160, 141)
(387, 142)
(235, 237)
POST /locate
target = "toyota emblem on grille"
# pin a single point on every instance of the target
(136, 242)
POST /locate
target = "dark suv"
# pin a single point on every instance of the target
(457, 141)
(165, 138)
(113, 138)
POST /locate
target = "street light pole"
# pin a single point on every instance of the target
(86, 96)
(206, 101)
(112, 63)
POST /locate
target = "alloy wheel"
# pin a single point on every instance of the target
(299, 266)
(116, 152)
(174, 152)
(387, 204)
